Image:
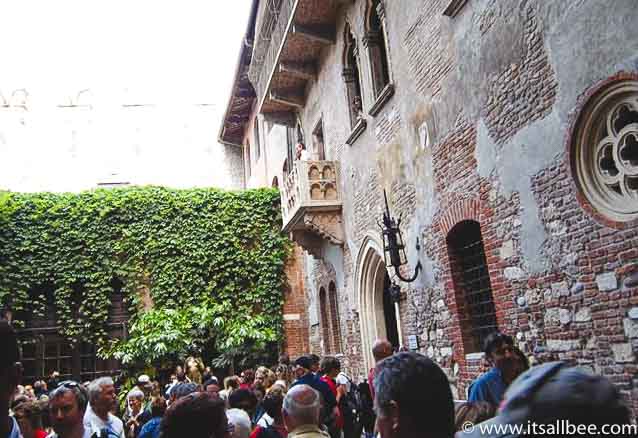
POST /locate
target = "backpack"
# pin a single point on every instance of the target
(269, 432)
(356, 410)
(366, 407)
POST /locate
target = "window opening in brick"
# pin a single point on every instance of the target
(377, 51)
(317, 136)
(334, 318)
(352, 77)
(604, 151)
(389, 314)
(472, 285)
(325, 321)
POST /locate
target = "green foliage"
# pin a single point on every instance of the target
(211, 261)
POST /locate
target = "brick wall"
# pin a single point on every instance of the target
(296, 335)
(500, 84)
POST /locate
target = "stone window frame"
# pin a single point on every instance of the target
(376, 43)
(606, 182)
(351, 73)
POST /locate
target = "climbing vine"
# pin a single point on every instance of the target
(193, 266)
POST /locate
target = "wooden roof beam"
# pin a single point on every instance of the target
(285, 118)
(321, 33)
(286, 98)
(301, 70)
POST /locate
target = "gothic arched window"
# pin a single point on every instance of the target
(325, 321)
(334, 318)
(376, 43)
(352, 77)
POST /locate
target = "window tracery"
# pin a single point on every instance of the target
(605, 151)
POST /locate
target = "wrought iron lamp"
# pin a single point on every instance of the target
(393, 246)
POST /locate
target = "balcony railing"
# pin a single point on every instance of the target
(311, 187)
(261, 71)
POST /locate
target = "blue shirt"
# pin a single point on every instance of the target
(319, 385)
(151, 429)
(489, 387)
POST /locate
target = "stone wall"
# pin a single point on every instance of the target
(495, 89)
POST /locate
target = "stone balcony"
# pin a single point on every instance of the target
(311, 204)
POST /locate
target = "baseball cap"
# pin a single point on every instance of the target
(304, 362)
(551, 392)
(144, 379)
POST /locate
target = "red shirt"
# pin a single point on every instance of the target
(40, 433)
(333, 387)
(281, 430)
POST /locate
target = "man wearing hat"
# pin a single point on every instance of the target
(305, 376)
(555, 399)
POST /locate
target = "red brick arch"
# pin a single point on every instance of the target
(459, 210)
(463, 210)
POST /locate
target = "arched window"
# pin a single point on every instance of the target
(351, 76)
(256, 139)
(376, 42)
(472, 286)
(325, 321)
(334, 318)
(275, 183)
(247, 159)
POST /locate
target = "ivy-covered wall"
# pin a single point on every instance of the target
(217, 255)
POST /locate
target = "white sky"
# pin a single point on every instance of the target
(169, 50)
(172, 53)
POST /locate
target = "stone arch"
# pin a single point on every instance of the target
(369, 282)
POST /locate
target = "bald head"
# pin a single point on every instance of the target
(381, 349)
(301, 406)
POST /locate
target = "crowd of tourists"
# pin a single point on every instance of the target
(406, 395)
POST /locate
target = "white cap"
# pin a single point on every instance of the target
(143, 379)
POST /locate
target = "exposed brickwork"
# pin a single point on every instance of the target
(489, 66)
(585, 318)
(404, 199)
(489, 16)
(429, 60)
(524, 92)
(296, 336)
(387, 126)
(367, 202)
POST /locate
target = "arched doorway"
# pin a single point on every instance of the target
(377, 314)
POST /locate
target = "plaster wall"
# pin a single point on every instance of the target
(477, 129)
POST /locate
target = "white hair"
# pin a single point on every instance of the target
(135, 393)
(95, 387)
(241, 423)
(303, 411)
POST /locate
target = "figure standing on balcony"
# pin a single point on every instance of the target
(302, 153)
